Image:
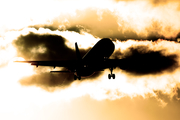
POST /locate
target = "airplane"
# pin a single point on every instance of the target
(95, 60)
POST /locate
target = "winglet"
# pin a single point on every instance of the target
(77, 52)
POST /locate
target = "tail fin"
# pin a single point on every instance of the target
(77, 52)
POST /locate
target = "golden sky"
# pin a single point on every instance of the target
(144, 89)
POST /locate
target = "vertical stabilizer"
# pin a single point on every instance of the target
(77, 52)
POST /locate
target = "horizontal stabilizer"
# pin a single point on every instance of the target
(61, 71)
(22, 61)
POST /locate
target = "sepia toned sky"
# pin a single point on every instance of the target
(146, 34)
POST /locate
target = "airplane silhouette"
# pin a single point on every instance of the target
(96, 59)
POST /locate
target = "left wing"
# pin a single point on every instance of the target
(63, 63)
(109, 63)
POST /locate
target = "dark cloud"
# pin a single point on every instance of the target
(177, 93)
(159, 2)
(136, 60)
(46, 47)
(48, 81)
(141, 60)
(155, 36)
(178, 35)
(154, 31)
(162, 2)
(77, 28)
(51, 81)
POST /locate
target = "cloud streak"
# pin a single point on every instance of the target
(43, 47)
(147, 21)
(46, 47)
(141, 60)
(145, 34)
(144, 64)
(120, 22)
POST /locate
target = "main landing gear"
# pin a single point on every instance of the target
(111, 75)
(77, 77)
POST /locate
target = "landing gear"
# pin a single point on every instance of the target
(77, 77)
(111, 75)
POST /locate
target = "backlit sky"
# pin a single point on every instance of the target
(146, 34)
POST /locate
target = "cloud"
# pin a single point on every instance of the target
(43, 47)
(159, 1)
(146, 70)
(138, 58)
(162, 2)
(34, 46)
(154, 2)
(51, 81)
(142, 60)
(48, 81)
(146, 67)
(99, 23)
(145, 23)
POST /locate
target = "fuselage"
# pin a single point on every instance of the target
(91, 62)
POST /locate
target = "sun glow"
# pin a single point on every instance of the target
(125, 22)
(124, 85)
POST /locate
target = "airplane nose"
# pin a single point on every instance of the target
(107, 46)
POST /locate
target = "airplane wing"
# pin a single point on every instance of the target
(109, 63)
(73, 64)
(63, 63)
